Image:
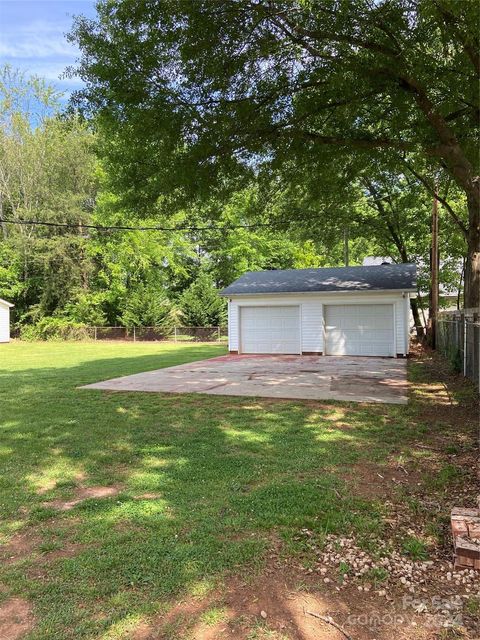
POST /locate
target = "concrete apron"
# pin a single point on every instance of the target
(356, 379)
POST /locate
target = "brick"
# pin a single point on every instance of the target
(467, 553)
(473, 530)
(463, 511)
(459, 527)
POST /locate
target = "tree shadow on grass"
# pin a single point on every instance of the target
(222, 475)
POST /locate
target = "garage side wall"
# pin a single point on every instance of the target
(312, 315)
(4, 323)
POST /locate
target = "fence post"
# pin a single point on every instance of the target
(95, 333)
(134, 335)
(218, 334)
(175, 334)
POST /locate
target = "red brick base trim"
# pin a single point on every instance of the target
(233, 353)
(312, 353)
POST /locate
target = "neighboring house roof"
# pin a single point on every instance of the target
(370, 261)
(448, 289)
(372, 278)
(4, 302)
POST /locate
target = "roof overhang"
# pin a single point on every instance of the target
(5, 303)
(318, 293)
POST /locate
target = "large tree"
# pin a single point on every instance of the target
(192, 91)
(46, 177)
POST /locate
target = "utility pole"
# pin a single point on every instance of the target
(434, 268)
(345, 246)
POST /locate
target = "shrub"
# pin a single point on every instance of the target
(201, 305)
(55, 329)
(87, 308)
(148, 306)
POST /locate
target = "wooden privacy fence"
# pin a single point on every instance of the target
(458, 338)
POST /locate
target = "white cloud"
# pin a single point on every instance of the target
(52, 72)
(37, 39)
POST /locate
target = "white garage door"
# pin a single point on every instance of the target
(270, 329)
(359, 330)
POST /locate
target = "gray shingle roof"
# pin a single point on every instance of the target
(371, 278)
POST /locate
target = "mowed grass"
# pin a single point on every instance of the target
(202, 482)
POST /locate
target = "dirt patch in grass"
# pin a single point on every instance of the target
(16, 619)
(68, 550)
(182, 616)
(20, 546)
(443, 457)
(32, 545)
(370, 480)
(278, 606)
(81, 494)
(40, 569)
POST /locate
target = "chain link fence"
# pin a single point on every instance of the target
(458, 338)
(159, 334)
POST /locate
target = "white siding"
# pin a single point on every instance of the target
(311, 314)
(406, 323)
(4, 323)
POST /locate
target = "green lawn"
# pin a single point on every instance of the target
(203, 482)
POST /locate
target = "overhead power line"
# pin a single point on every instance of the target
(81, 226)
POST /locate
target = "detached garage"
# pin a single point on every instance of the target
(352, 311)
(5, 320)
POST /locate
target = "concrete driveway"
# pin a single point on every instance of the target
(296, 377)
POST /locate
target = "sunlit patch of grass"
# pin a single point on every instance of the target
(201, 588)
(261, 631)
(60, 472)
(245, 435)
(123, 629)
(334, 415)
(213, 616)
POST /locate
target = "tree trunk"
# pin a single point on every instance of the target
(416, 318)
(472, 267)
(434, 268)
(462, 280)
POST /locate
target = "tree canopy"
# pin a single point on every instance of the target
(195, 92)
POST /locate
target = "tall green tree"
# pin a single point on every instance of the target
(148, 306)
(46, 176)
(192, 92)
(201, 304)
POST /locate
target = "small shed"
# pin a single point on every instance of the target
(351, 311)
(5, 320)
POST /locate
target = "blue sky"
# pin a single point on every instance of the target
(32, 37)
